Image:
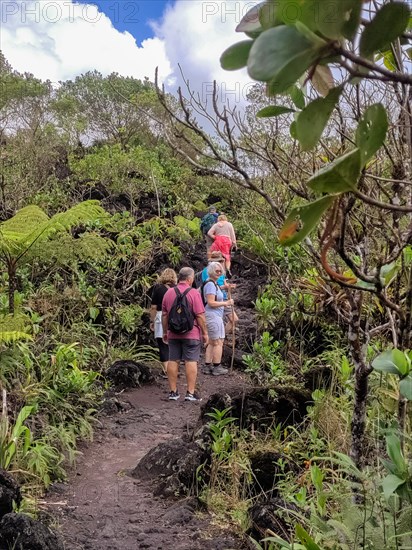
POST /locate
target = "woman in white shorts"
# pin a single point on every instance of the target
(214, 312)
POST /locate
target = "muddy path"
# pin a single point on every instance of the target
(103, 508)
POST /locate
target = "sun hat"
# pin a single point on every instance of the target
(216, 256)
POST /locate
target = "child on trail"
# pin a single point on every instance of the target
(224, 285)
(207, 222)
(224, 239)
(214, 311)
(167, 279)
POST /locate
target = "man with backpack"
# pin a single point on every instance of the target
(208, 221)
(184, 328)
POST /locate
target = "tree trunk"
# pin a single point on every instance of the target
(362, 371)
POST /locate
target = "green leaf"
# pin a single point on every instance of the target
(297, 96)
(280, 56)
(339, 176)
(302, 220)
(405, 387)
(400, 360)
(306, 539)
(273, 110)
(389, 485)
(236, 56)
(311, 122)
(393, 448)
(389, 22)
(371, 131)
(385, 363)
(292, 130)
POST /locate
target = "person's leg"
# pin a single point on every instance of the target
(163, 353)
(175, 355)
(232, 319)
(217, 351)
(191, 355)
(191, 375)
(172, 370)
(207, 369)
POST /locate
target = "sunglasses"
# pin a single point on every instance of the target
(218, 271)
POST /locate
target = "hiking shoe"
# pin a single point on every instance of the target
(192, 397)
(174, 395)
(219, 371)
(206, 370)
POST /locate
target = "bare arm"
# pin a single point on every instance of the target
(201, 321)
(152, 313)
(165, 321)
(212, 232)
(212, 302)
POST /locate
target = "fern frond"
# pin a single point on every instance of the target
(80, 213)
(14, 336)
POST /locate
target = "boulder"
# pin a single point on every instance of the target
(22, 532)
(9, 493)
(262, 407)
(174, 463)
(129, 374)
(273, 516)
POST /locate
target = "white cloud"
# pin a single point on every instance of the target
(59, 39)
(195, 34)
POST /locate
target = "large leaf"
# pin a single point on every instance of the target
(236, 56)
(273, 110)
(371, 131)
(306, 539)
(401, 361)
(280, 56)
(385, 363)
(390, 483)
(389, 22)
(326, 16)
(339, 176)
(302, 220)
(394, 450)
(311, 122)
(405, 387)
(297, 96)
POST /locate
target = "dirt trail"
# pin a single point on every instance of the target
(102, 508)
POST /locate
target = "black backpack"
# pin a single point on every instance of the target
(202, 288)
(197, 283)
(181, 318)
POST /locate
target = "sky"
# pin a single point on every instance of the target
(61, 39)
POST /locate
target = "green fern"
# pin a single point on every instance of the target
(31, 226)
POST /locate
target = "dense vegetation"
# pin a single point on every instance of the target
(101, 183)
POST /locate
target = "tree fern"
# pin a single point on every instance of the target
(30, 226)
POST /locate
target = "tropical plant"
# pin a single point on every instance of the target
(21, 235)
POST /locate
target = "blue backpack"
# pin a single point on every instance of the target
(207, 222)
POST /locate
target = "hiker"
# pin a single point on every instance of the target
(215, 305)
(230, 316)
(207, 222)
(224, 239)
(189, 324)
(166, 280)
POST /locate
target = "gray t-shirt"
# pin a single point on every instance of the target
(212, 288)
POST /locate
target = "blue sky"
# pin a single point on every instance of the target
(133, 16)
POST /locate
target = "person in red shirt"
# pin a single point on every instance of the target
(184, 347)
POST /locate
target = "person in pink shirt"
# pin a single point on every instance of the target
(224, 239)
(187, 346)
